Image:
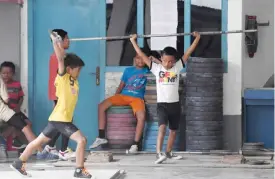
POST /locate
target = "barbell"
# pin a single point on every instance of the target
(163, 35)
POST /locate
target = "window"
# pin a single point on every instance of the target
(207, 16)
(122, 20)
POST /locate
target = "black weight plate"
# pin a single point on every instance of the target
(204, 138)
(203, 133)
(204, 75)
(206, 118)
(204, 94)
(203, 83)
(205, 60)
(205, 70)
(204, 123)
(210, 69)
(206, 145)
(196, 78)
(204, 99)
(206, 114)
(203, 104)
(204, 65)
(204, 109)
(206, 128)
(204, 89)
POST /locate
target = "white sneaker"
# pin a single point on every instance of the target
(51, 150)
(98, 142)
(160, 158)
(66, 155)
(133, 150)
(173, 156)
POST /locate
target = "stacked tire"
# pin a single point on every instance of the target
(151, 126)
(204, 104)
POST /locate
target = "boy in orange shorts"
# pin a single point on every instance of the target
(130, 92)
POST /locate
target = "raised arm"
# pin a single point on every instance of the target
(59, 51)
(153, 59)
(192, 47)
(140, 53)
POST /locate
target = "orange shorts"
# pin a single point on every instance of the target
(137, 104)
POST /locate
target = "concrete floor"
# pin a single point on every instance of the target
(143, 167)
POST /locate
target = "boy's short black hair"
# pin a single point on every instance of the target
(170, 51)
(73, 61)
(8, 64)
(62, 33)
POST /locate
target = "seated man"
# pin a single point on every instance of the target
(130, 92)
(15, 101)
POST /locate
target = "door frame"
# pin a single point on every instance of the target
(102, 55)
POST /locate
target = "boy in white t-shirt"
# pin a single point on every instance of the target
(167, 79)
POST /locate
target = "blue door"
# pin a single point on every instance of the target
(80, 18)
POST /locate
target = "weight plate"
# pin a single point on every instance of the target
(204, 89)
(206, 118)
(129, 115)
(204, 94)
(204, 123)
(201, 113)
(199, 79)
(204, 109)
(120, 128)
(207, 128)
(205, 70)
(204, 99)
(203, 84)
(203, 104)
(205, 60)
(204, 75)
(205, 65)
(204, 138)
(203, 132)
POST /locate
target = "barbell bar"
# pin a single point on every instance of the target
(163, 35)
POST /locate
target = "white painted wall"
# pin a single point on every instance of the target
(233, 79)
(257, 70)
(24, 55)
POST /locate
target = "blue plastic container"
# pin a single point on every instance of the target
(259, 116)
(150, 138)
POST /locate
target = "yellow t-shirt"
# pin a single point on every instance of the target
(67, 94)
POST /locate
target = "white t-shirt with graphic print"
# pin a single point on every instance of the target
(167, 81)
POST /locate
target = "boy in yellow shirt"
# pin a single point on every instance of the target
(69, 66)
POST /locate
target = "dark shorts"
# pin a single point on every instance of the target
(53, 128)
(169, 113)
(18, 121)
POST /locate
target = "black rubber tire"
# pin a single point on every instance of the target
(203, 104)
(204, 75)
(204, 94)
(205, 70)
(205, 60)
(206, 118)
(204, 99)
(204, 109)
